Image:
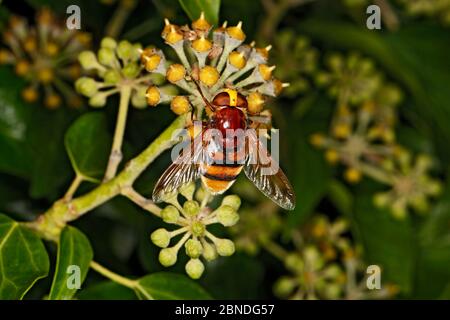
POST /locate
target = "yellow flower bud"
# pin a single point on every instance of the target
(353, 175)
(180, 105)
(232, 200)
(175, 73)
(209, 76)
(201, 45)
(30, 94)
(152, 62)
(170, 214)
(173, 36)
(209, 251)
(266, 72)
(193, 248)
(264, 52)
(153, 96)
(52, 49)
(255, 101)
(45, 75)
(332, 156)
(341, 130)
(30, 44)
(22, 67)
(236, 32)
(317, 139)
(278, 86)
(191, 208)
(201, 24)
(52, 101)
(237, 59)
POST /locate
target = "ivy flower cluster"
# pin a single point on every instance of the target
(430, 8)
(45, 55)
(192, 220)
(117, 67)
(213, 59)
(362, 136)
(326, 265)
(303, 64)
(351, 80)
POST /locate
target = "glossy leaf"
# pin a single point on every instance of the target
(194, 8)
(23, 259)
(106, 290)
(74, 249)
(169, 286)
(87, 144)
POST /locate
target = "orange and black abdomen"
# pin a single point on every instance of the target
(224, 165)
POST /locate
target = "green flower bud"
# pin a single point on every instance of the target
(209, 251)
(98, 100)
(293, 262)
(86, 86)
(332, 290)
(233, 201)
(138, 99)
(107, 57)
(191, 208)
(109, 43)
(170, 214)
(125, 50)
(381, 199)
(193, 248)
(198, 228)
(194, 268)
(284, 287)
(87, 60)
(137, 47)
(111, 76)
(131, 70)
(227, 216)
(225, 247)
(168, 257)
(332, 272)
(200, 194)
(161, 237)
(188, 190)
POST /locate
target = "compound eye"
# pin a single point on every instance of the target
(241, 101)
(221, 99)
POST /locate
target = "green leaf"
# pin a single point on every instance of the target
(73, 249)
(388, 242)
(23, 259)
(14, 117)
(309, 172)
(194, 8)
(169, 286)
(106, 290)
(87, 144)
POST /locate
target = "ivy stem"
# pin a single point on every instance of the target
(73, 187)
(113, 276)
(274, 249)
(50, 224)
(116, 150)
(120, 16)
(141, 201)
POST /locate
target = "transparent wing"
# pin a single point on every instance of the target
(184, 169)
(265, 173)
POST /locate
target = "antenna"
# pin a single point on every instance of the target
(212, 107)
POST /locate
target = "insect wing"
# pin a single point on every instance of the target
(275, 185)
(184, 169)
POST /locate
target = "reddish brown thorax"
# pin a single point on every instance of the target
(230, 118)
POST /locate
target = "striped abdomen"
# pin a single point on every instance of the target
(218, 176)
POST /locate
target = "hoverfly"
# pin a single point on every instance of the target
(218, 165)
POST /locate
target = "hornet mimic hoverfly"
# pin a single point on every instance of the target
(218, 159)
